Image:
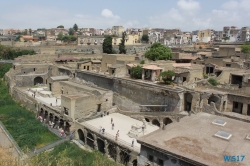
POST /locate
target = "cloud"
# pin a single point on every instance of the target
(109, 14)
(188, 5)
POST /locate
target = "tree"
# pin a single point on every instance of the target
(75, 27)
(245, 48)
(60, 36)
(122, 44)
(30, 31)
(107, 45)
(71, 31)
(145, 38)
(158, 52)
(60, 26)
(25, 32)
(136, 72)
(167, 76)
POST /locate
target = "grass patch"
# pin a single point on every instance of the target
(70, 154)
(21, 123)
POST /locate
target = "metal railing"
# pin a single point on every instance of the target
(111, 137)
(12, 140)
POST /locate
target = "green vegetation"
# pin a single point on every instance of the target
(142, 62)
(71, 31)
(158, 52)
(84, 59)
(21, 123)
(145, 38)
(70, 154)
(205, 75)
(122, 44)
(4, 68)
(167, 76)
(245, 48)
(200, 47)
(7, 52)
(60, 26)
(213, 81)
(75, 27)
(136, 72)
(66, 38)
(107, 45)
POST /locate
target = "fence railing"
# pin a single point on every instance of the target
(12, 140)
(112, 137)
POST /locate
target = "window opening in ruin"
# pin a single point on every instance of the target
(173, 161)
(237, 80)
(66, 111)
(99, 107)
(150, 158)
(228, 65)
(223, 135)
(34, 69)
(87, 67)
(113, 71)
(160, 162)
(184, 79)
(107, 99)
(84, 67)
(236, 105)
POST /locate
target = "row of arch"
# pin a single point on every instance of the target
(118, 155)
(57, 121)
(156, 122)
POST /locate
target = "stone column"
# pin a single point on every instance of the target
(118, 157)
(106, 150)
(143, 74)
(95, 142)
(244, 109)
(85, 136)
(152, 75)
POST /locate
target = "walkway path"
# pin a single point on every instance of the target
(6, 143)
(47, 147)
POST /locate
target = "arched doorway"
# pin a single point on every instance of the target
(134, 162)
(112, 151)
(61, 123)
(42, 113)
(38, 80)
(124, 156)
(81, 135)
(51, 117)
(101, 145)
(67, 127)
(188, 97)
(46, 115)
(90, 140)
(215, 100)
(156, 123)
(56, 121)
(167, 121)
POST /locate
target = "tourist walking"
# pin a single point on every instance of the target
(103, 130)
(117, 133)
(133, 141)
(111, 120)
(113, 126)
(100, 128)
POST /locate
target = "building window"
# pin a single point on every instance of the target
(236, 105)
(228, 65)
(150, 158)
(160, 162)
(66, 111)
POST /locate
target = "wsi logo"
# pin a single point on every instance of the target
(239, 158)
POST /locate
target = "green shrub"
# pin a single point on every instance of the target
(142, 62)
(167, 76)
(136, 72)
(213, 81)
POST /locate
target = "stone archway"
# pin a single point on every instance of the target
(61, 123)
(124, 156)
(216, 100)
(38, 80)
(46, 115)
(100, 145)
(90, 140)
(167, 121)
(156, 122)
(67, 127)
(112, 151)
(81, 135)
(134, 162)
(147, 120)
(51, 117)
(188, 97)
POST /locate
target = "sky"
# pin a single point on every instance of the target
(187, 15)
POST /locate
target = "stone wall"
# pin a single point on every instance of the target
(139, 93)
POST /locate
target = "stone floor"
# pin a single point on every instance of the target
(45, 100)
(122, 123)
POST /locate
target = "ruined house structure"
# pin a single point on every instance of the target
(80, 89)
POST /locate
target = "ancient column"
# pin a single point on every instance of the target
(95, 142)
(244, 109)
(106, 150)
(85, 136)
(118, 157)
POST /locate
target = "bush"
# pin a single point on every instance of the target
(167, 76)
(142, 62)
(213, 81)
(158, 52)
(136, 72)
